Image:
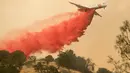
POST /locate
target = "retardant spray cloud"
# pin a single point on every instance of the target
(62, 30)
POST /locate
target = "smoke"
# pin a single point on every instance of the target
(50, 34)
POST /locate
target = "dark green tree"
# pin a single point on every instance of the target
(103, 70)
(11, 62)
(123, 41)
(31, 61)
(89, 66)
(80, 64)
(17, 59)
(69, 60)
(4, 57)
(84, 65)
(41, 67)
(66, 59)
(49, 58)
(123, 48)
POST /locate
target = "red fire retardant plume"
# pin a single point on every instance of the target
(52, 38)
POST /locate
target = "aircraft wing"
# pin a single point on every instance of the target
(77, 5)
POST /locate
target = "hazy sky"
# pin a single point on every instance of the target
(99, 40)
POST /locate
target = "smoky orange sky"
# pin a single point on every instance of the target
(99, 40)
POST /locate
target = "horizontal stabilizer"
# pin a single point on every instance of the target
(97, 14)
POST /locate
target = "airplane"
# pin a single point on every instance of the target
(82, 8)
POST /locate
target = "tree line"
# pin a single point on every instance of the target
(15, 61)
